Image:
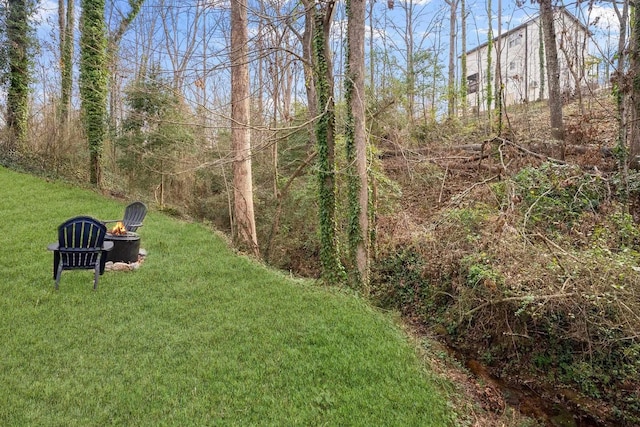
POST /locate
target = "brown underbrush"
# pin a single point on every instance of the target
(527, 264)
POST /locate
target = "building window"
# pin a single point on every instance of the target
(472, 83)
(515, 40)
(512, 65)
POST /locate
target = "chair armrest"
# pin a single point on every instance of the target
(106, 246)
(107, 221)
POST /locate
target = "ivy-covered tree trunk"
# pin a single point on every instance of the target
(356, 144)
(332, 269)
(67, 22)
(489, 82)
(19, 40)
(634, 145)
(93, 82)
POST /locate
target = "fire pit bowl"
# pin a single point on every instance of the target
(126, 247)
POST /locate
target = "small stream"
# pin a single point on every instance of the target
(534, 405)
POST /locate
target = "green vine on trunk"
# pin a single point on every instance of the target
(354, 231)
(66, 62)
(332, 269)
(489, 65)
(17, 71)
(93, 81)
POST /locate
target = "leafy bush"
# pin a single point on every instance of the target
(398, 281)
(480, 273)
(556, 195)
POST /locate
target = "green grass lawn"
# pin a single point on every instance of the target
(196, 336)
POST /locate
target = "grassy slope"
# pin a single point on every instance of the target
(197, 336)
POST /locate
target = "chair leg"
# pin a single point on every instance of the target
(58, 274)
(95, 278)
(56, 263)
(96, 273)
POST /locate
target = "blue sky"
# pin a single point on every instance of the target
(430, 32)
(426, 10)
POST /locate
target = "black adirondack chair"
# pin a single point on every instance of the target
(133, 216)
(80, 245)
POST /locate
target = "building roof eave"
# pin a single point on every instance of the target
(526, 23)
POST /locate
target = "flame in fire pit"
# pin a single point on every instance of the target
(119, 229)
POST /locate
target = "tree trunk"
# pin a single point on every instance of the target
(306, 39)
(356, 144)
(67, 23)
(543, 77)
(463, 58)
(553, 72)
(372, 55)
(93, 82)
(19, 77)
(245, 226)
(489, 83)
(451, 84)
(113, 46)
(498, 75)
(634, 144)
(332, 270)
(411, 72)
(619, 83)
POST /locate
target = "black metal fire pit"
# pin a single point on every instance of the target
(126, 247)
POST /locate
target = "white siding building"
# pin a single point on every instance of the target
(522, 51)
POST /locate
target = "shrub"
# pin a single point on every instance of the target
(398, 282)
(556, 195)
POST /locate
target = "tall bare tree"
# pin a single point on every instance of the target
(410, 45)
(498, 75)
(181, 34)
(451, 82)
(356, 146)
(463, 57)
(123, 22)
(244, 218)
(553, 71)
(66, 19)
(489, 88)
(619, 84)
(306, 40)
(406, 52)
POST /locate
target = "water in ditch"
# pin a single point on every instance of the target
(554, 408)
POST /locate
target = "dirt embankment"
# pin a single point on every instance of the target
(522, 254)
